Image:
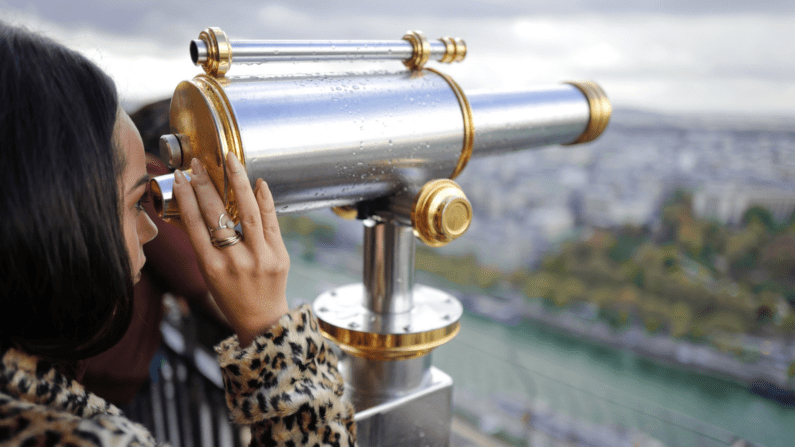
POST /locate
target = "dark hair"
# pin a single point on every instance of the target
(65, 274)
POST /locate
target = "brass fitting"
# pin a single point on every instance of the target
(441, 212)
(600, 110)
(456, 49)
(347, 212)
(388, 347)
(219, 52)
(422, 49)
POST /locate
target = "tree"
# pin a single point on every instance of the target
(681, 319)
(788, 324)
(761, 215)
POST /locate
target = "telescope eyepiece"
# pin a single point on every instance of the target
(198, 51)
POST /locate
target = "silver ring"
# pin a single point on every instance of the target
(227, 241)
(230, 224)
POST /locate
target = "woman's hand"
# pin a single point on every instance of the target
(247, 279)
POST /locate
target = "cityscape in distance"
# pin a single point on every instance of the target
(528, 202)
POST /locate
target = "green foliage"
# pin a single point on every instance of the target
(616, 319)
(788, 324)
(638, 278)
(724, 321)
(761, 215)
(308, 232)
(624, 248)
(681, 319)
(652, 324)
(464, 270)
(304, 227)
(748, 261)
(679, 283)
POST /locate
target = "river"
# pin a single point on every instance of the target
(606, 386)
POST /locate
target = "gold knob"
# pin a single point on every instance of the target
(441, 213)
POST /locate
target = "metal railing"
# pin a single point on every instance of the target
(506, 398)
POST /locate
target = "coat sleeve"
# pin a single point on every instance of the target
(286, 386)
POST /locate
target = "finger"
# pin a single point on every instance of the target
(246, 203)
(209, 201)
(267, 209)
(190, 215)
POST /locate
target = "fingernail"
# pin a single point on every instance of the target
(179, 177)
(197, 167)
(233, 162)
(261, 185)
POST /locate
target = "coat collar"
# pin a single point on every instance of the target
(31, 379)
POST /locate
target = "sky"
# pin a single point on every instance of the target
(679, 57)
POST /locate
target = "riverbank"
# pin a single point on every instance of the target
(767, 376)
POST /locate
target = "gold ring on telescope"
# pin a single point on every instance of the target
(600, 110)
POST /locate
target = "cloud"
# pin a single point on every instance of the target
(669, 61)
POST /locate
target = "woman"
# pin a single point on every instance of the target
(73, 176)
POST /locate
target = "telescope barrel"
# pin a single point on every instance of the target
(328, 141)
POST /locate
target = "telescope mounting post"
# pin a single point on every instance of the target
(387, 327)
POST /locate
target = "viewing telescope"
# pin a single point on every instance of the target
(383, 147)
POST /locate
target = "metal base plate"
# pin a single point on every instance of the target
(343, 307)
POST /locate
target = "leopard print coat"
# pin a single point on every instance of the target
(285, 385)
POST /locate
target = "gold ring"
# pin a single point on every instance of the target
(449, 50)
(469, 126)
(388, 347)
(422, 50)
(460, 49)
(600, 110)
(227, 241)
